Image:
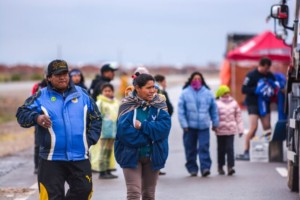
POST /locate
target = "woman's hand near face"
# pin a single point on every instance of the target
(137, 124)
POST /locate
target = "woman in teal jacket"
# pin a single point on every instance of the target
(196, 109)
(141, 145)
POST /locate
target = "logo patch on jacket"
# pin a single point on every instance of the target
(75, 100)
(53, 98)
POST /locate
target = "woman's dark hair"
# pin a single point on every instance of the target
(82, 78)
(142, 79)
(191, 78)
(105, 85)
(159, 78)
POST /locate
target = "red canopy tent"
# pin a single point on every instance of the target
(263, 45)
(246, 56)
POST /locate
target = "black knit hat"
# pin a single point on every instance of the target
(57, 67)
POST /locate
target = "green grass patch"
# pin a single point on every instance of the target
(36, 77)
(16, 77)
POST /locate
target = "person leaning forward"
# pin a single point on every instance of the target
(69, 122)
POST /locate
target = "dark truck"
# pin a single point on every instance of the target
(280, 12)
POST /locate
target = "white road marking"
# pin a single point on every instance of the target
(282, 171)
(34, 188)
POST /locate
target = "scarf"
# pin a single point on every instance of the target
(132, 102)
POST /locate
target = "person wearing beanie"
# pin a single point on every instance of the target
(230, 123)
(136, 73)
(222, 90)
(141, 70)
(77, 78)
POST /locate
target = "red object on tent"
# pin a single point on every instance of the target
(263, 45)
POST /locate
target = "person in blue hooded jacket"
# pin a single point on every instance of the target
(141, 144)
(196, 109)
(68, 123)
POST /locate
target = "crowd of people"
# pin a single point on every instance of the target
(80, 130)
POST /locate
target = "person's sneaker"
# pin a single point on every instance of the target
(193, 173)
(205, 172)
(110, 174)
(267, 134)
(102, 175)
(244, 156)
(231, 171)
(106, 175)
(221, 171)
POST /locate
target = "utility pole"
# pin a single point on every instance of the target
(120, 57)
(59, 51)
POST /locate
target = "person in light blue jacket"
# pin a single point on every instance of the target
(196, 109)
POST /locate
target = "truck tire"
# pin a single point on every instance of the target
(293, 174)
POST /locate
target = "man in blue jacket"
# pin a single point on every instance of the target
(69, 122)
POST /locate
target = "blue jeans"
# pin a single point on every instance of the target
(196, 142)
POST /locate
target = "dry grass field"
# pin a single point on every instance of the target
(13, 138)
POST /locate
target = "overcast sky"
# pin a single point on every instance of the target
(127, 31)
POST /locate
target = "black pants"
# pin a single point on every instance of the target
(52, 176)
(225, 147)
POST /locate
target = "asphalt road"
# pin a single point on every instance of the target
(253, 180)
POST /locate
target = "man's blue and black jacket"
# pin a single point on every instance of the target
(76, 122)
